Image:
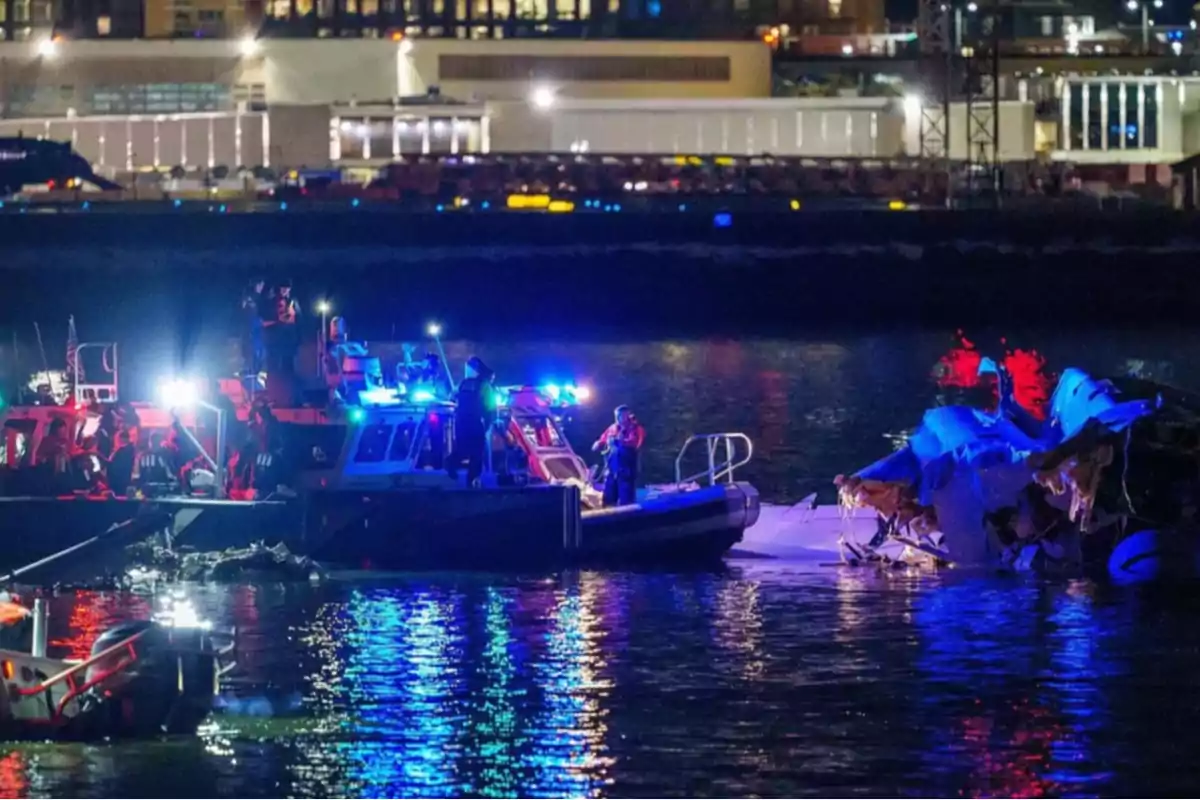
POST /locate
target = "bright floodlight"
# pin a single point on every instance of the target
(177, 393)
(1132, 5)
(47, 48)
(583, 394)
(323, 306)
(434, 329)
(972, 7)
(912, 104)
(406, 46)
(248, 45)
(542, 98)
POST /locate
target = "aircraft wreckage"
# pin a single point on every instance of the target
(1110, 477)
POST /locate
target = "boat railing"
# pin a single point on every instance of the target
(96, 392)
(726, 453)
(75, 677)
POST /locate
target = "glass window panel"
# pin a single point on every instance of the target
(1075, 116)
(1131, 116)
(1095, 121)
(1114, 116)
(1150, 132)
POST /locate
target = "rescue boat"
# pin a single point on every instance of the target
(362, 484)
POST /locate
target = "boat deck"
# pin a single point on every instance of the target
(171, 502)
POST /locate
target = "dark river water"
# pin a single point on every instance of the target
(764, 679)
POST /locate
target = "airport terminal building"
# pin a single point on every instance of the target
(292, 102)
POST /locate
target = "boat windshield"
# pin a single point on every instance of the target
(541, 432)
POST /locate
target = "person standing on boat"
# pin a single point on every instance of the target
(621, 443)
(474, 409)
(283, 341)
(253, 306)
(54, 457)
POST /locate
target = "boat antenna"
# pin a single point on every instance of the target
(41, 348)
(434, 330)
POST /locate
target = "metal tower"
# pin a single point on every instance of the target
(936, 67)
(981, 58)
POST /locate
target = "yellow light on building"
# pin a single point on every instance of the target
(560, 207)
(897, 205)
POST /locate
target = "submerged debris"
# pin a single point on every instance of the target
(256, 562)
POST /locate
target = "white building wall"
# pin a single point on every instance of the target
(853, 128)
(1017, 139)
(117, 144)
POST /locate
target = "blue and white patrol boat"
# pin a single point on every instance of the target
(362, 484)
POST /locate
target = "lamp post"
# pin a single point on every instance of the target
(1144, 5)
(183, 394)
(434, 329)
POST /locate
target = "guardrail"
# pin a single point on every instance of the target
(717, 471)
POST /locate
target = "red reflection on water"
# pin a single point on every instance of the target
(959, 368)
(723, 358)
(14, 778)
(91, 614)
(1009, 762)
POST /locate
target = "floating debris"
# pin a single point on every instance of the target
(1110, 476)
(153, 563)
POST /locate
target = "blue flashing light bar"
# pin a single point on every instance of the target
(422, 396)
(356, 415)
(382, 396)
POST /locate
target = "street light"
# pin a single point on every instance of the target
(542, 98)
(179, 393)
(248, 45)
(1133, 5)
(47, 47)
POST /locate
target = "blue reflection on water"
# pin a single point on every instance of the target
(496, 737)
(570, 750)
(1012, 678)
(402, 682)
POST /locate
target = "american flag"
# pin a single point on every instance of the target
(73, 352)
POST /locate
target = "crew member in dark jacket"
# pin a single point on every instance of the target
(475, 409)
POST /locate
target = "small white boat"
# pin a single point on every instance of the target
(143, 678)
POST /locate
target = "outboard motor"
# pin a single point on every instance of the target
(164, 681)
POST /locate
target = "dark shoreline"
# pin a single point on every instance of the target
(613, 276)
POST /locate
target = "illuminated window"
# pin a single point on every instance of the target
(103, 25)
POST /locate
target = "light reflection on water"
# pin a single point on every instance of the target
(763, 680)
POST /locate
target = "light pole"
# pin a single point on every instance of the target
(434, 329)
(183, 394)
(1144, 5)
